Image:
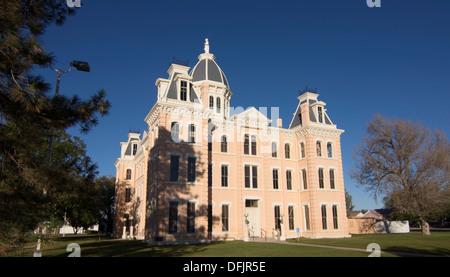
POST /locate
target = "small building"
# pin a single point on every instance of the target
(376, 221)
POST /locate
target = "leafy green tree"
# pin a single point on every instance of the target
(106, 195)
(348, 203)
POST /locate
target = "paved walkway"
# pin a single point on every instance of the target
(344, 248)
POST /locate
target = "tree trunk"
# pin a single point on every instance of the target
(425, 227)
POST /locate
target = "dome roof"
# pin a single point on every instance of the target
(207, 69)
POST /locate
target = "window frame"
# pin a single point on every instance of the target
(173, 217)
(250, 176)
(192, 169)
(183, 90)
(224, 175)
(321, 178)
(175, 132)
(190, 217)
(174, 168)
(289, 179)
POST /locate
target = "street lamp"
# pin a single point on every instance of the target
(79, 65)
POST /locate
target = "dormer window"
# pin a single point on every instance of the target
(183, 91)
(320, 114)
(135, 146)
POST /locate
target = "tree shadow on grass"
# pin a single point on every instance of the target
(127, 248)
(404, 251)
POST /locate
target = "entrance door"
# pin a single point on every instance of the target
(252, 209)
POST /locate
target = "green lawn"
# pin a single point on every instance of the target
(438, 243)
(94, 246)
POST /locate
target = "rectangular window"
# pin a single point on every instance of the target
(307, 225)
(332, 179)
(335, 217)
(324, 217)
(251, 176)
(319, 149)
(302, 149)
(191, 136)
(254, 153)
(175, 132)
(128, 175)
(289, 179)
(224, 175)
(254, 177)
(275, 178)
(127, 195)
(319, 109)
(305, 179)
(135, 146)
(277, 218)
(173, 217)
(246, 144)
(321, 185)
(183, 91)
(274, 150)
(174, 168)
(291, 217)
(190, 217)
(247, 176)
(191, 169)
(287, 150)
(225, 218)
(224, 145)
(330, 150)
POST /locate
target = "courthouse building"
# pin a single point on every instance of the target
(205, 171)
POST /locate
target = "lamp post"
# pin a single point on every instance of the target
(79, 65)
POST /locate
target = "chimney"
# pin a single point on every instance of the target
(279, 123)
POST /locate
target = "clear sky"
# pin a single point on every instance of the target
(392, 60)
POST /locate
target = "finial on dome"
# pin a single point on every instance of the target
(206, 46)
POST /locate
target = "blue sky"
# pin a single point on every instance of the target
(392, 60)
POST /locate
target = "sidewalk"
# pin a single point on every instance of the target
(269, 240)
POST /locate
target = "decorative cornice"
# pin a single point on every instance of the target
(318, 131)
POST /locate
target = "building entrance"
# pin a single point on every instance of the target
(253, 217)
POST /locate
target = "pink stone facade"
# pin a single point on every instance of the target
(206, 171)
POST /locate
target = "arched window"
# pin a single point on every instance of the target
(330, 150)
(218, 105)
(274, 150)
(224, 144)
(287, 151)
(319, 149)
(128, 175)
(211, 102)
(175, 132)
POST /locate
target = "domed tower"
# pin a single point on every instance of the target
(209, 79)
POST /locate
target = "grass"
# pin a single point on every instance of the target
(438, 243)
(100, 246)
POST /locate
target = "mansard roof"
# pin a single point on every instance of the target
(207, 69)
